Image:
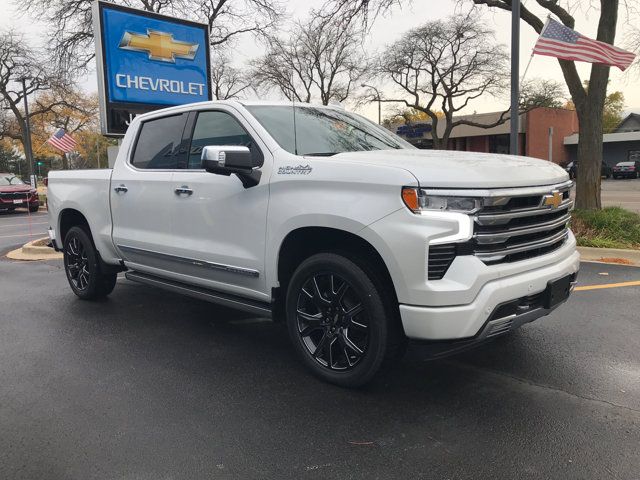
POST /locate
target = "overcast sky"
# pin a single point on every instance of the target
(390, 27)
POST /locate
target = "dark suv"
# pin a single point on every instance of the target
(572, 168)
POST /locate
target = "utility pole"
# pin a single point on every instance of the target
(28, 153)
(364, 85)
(515, 73)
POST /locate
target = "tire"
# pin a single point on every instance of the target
(337, 319)
(82, 266)
(33, 209)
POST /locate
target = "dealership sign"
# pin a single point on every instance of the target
(147, 61)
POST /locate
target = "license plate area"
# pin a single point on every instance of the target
(557, 291)
(18, 201)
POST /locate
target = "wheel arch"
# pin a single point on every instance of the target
(303, 242)
(70, 217)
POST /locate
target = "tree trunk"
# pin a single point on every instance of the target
(589, 157)
(23, 128)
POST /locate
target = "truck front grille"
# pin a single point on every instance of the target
(519, 226)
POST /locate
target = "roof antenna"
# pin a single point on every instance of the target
(295, 133)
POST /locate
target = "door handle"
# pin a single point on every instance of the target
(183, 190)
(121, 189)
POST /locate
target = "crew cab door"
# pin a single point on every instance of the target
(221, 225)
(142, 194)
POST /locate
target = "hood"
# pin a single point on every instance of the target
(15, 188)
(454, 169)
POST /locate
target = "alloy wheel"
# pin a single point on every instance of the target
(77, 264)
(332, 321)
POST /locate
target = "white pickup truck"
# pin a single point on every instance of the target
(319, 218)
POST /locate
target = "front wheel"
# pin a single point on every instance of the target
(336, 319)
(33, 209)
(82, 266)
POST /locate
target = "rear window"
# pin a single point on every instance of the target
(158, 145)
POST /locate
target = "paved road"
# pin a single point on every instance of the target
(150, 385)
(625, 193)
(19, 227)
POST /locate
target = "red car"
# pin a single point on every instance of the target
(14, 193)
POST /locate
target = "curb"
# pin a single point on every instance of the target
(34, 251)
(610, 255)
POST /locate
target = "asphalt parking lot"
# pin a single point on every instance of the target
(19, 227)
(624, 193)
(150, 385)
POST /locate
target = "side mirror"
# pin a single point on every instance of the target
(225, 160)
(227, 157)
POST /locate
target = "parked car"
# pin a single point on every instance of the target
(627, 170)
(572, 169)
(14, 193)
(332, 224)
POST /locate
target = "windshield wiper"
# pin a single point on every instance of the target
(320, 154)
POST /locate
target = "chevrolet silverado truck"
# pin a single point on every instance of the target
(321, 219)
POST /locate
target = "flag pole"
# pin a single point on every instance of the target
(515, 76)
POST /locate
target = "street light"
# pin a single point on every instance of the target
(364, 85)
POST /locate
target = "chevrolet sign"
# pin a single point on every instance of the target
(147, 61)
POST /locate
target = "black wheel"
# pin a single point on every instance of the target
(33, 209)
(337, 320)
(83, 268)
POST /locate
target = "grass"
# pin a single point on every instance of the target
(611, 227)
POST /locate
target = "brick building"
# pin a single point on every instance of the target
(542, 134)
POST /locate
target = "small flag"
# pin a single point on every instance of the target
(62, 141)
(559, 41)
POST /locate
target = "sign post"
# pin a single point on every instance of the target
(146, 61)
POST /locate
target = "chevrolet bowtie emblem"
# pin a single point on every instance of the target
(159, 45)
(553, 200)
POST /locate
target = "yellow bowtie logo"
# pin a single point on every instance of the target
(159, 45)
(552, 201)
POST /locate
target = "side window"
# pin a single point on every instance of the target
(158, 144)
(217, 128)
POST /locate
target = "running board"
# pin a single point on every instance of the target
(227, 300)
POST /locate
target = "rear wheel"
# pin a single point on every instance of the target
(82, 266)
(337, 320)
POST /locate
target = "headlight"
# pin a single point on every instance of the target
(417, 200)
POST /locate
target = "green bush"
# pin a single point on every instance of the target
(611, 227)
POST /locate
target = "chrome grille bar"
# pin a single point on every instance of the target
(502, 218)
(504, 235)
(499, 254)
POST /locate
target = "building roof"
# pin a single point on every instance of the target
(607, 137)
(630, 123)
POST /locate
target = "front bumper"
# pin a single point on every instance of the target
(471, 320)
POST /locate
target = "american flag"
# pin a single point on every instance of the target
(62, 141)
(559, 41)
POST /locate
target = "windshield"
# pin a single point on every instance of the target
(323, 131)
(9, 179)
(625, 164)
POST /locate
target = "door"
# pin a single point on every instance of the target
(220, 226)
(142, 195)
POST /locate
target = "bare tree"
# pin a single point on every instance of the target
(19, 61)
(589, 103)
(227, 81)
(318, 59)
(72, 32)
(440, 68)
